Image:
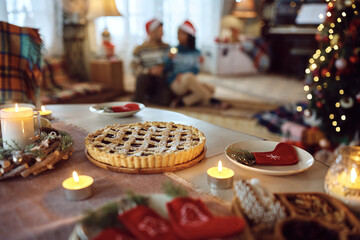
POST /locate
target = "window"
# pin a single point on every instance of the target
(41, 14)
(129, 30)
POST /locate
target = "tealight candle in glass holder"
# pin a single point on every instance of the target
(342, 180)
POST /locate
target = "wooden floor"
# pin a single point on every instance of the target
(257, 89)
(245, 125)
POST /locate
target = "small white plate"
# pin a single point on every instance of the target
(306, 160)
(96, 109)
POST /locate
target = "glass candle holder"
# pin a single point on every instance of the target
(19, 125)
(342, 180)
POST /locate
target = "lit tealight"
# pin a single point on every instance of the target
(220, 177)
(77, 187)
(45, 113)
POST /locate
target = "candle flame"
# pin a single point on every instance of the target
(16, 107)
(43, 109)
(220, 166)
(353, 175)
(75, 176)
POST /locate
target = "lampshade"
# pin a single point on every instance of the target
(102, 8)
(244, 9)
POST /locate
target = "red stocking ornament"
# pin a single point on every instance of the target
(146, 224)
(191, 219)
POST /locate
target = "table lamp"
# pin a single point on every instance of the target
(103, 8)
(244, 9)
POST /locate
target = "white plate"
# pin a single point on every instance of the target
(306, 160)
(95, 109)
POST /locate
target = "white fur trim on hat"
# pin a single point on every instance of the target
(152, 25)
(188, 28)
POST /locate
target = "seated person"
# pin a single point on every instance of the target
(182, 67)
(148, 67)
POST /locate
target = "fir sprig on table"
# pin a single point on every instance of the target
(241, 155)
(172, 190)
(102, 218)
(137, 199)
(66, 140)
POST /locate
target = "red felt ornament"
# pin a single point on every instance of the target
(145, 224)
(283, 154)
(191, 219)
(126, 108)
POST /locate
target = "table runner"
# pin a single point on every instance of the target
(36, 207)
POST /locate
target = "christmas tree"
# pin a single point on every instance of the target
(333, 76)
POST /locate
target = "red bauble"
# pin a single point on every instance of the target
(354, 59)
(319, 104)
(318, 37)
(324, 71)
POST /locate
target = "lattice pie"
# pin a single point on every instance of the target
(145, 145)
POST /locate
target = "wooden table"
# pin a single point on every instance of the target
(36, 208)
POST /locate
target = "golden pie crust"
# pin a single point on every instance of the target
(145, 145)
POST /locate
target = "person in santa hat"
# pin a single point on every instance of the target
(182, 64)
(148, 67)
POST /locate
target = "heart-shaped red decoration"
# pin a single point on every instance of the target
(283, 154)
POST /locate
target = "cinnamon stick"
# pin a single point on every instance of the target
(15, 171)
(52, 147)
(46, 161)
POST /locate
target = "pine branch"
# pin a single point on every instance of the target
(102, 218)
(137, 199)
(172, 190)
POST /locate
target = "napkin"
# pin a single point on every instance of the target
(146, 224)
(113, 234)
(283, 154)
(191, 219)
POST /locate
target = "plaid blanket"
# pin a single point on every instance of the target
(259, 51)
(275, 119)
(20, 59)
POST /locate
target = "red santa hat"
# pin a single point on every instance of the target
(188, 28)
(152, 25)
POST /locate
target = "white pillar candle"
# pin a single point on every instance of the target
(17, 124)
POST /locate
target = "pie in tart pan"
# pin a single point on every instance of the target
(145, 145)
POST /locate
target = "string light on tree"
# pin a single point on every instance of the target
(332, 87)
